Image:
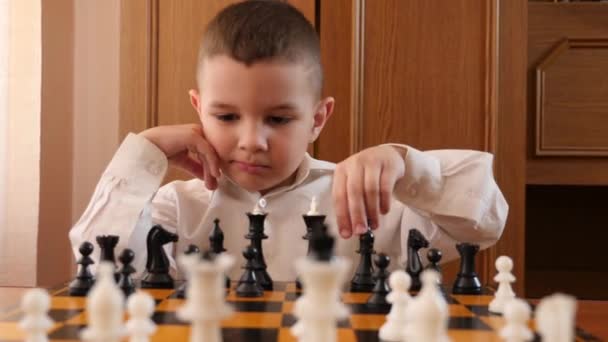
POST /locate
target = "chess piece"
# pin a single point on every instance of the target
(35, 305)
(504, 278)
(381, 288)
(216, 241)
(415, 241)
(555, 318)
(125, 282)
(434, 257)
(399, 297)
(107, 244)
(319, 307)
(84, 279)
(256, 235)
(191, 249)
(427, 315)
(363, 280)
(516, 314)
(157, 265)
(313, 220)
(248, 285)
(205, 306)
(140, 326)
(105, 308)
(321, 244)
(467, 281)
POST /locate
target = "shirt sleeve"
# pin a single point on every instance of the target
(450, 196)
(126, 187)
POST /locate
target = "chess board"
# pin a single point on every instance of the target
(269, 318)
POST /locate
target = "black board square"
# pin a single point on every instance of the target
(467, 323)
(481, 310)
(364, 308)
(289, 320)
(241, 306)
(367, 336)
(167, 317)
(249, 334)
(292, 296)
(67, 332)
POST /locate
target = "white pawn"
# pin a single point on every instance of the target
(105, 307)
(555, 318)
(427, 315)
(35, 305)
(140, 306)
(399, 297)
(504, 278)
(516, 314)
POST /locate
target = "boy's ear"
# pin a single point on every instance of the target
(195, 100)
(323, 111)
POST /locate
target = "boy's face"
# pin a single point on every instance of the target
(260, 119)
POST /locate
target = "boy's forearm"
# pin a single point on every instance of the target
(457, 190)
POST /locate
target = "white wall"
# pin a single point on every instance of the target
(96, 90)
(18, 238)
(4, 35)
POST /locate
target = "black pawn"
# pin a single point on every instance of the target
(125, 282)
(107, 244)
(191, 249)
(216, 241)
(467, 281)
(415, 241)
(381, 288)
(363, 280)
(84, 279)
(248, 285)
(434, 257)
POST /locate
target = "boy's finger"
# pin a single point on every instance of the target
(204, 148)
(191, 166)
(372, 190)
(388, 177)
(341, 203)
(356, 201)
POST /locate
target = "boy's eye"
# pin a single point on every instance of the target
(227, 117)
(278, 120)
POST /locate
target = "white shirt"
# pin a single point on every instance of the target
(449, 195)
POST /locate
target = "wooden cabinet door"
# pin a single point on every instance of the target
(432, 74)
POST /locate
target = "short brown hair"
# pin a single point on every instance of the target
(257, 30)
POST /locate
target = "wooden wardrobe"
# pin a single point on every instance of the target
(433, 74)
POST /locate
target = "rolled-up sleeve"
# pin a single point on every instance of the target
(124, 189)
(451, 196)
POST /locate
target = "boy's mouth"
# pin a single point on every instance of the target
(250, 167)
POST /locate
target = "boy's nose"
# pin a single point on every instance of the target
(253, 139)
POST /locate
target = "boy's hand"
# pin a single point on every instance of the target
(363, 186)
(186, 147)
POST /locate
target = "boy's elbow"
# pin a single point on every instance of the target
(492, 224)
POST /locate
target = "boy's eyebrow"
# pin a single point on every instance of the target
(222, 105)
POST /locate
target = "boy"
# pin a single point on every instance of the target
(259, 102)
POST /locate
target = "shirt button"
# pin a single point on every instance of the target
(154, 168)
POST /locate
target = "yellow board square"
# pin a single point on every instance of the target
(81, 318)
(473, 336)
(159, 293)
(171, 333)
(343, 335)
(269, 296)
(473, 300)
(457, 310)
(291, 287)
(253, 320)
(67, 303)
(288, 307)
(367, 321)
(170, 305)
(355, 297)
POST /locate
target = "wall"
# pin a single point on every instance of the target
(18, 236)
(96, 67)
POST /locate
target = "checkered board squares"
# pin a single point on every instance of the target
(269, 318)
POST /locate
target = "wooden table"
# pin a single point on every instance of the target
(592, 316)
